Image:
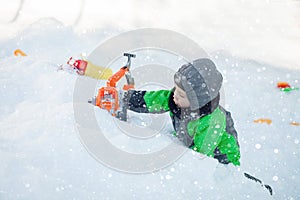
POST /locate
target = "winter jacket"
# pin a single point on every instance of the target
(209, 130)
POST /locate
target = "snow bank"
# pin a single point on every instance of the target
(42, 156)
(267, 31)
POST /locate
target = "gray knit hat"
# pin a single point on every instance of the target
(200, 80)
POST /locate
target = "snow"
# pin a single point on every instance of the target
(266, 31)
(41, 152)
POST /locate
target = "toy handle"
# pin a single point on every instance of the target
(129, 56)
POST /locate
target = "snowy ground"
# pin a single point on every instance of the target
(41, 152)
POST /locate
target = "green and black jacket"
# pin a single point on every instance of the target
(209, 130)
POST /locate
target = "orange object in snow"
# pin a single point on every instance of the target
(19, 52)
(108, 97)
(268, 121)
(295, 123)
(283, 85)
(112, 81)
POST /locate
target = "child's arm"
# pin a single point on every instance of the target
(149, 101)
(229, 146)
(209, 133)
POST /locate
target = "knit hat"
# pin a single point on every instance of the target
(200, 80)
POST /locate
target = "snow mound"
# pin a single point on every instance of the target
(42, 156)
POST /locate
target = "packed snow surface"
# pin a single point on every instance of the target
(42, 156)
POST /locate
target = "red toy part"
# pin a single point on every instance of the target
(80, 65)
(283, 85)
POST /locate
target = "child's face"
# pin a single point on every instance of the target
(180, 98)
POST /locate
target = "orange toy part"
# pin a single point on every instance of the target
(268, 121)
(108, 97)
(112, 81)
(283, 85)
(105, 97)
(295, 123)
(19, 52)
(128, 87)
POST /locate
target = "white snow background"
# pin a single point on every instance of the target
(254, 44)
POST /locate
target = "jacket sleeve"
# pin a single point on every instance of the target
(229, 146)
(148, 101)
